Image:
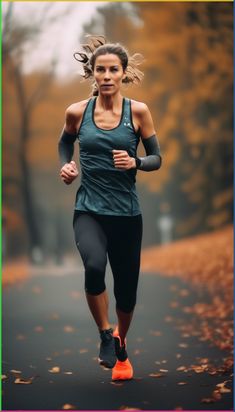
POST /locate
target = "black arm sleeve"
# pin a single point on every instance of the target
(66, 147)
(153, 159)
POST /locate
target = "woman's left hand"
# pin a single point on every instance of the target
(122, 160)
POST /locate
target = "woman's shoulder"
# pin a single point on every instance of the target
(139, 108)
(76, 110)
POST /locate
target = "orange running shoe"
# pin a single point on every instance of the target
(123, 369)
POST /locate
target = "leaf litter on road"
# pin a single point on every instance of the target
(209, 270)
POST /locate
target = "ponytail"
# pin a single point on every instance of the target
(97, 46)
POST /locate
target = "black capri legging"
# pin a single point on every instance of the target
(120, 238)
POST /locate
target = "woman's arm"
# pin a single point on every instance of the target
(142, 121)
(68, 136)
(153, 159)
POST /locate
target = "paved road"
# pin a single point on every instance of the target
(46, 325)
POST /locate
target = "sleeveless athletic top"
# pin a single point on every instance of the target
(105, 189)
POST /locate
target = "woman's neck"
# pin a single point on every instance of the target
(109, 102)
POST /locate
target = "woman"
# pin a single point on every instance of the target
(107, 218)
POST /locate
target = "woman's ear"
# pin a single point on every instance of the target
(124, 77)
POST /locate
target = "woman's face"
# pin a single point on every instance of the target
(108, 74)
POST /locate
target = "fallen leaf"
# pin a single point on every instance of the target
(68, 373)
(216, 395)
(184, 292)
(54, 316)
(67, 352)
(156, 375)
(174, 304)
(212, 372)
(55, 369)
(199, 369)
(83, 350)
(203, 360)
(15, 371)
(69, 329)
(183, 345)
(222, 384)
(4, 377)
(20, 337)
(155, 332)
(168, 319)
(182, 368)
(185, 335)
(23, 381)
(68, 406)
(38, 329)
(56, 353)
(223, 388)
(163, 370)
(182, 383)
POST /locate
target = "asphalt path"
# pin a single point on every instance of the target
(50, 342)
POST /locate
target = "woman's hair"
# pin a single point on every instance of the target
(97, 46)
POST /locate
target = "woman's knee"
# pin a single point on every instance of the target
(94, 276)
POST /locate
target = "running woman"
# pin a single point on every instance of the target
(107, 217)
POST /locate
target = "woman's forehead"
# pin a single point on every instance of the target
(108, 59)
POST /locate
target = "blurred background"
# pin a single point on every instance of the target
(184, 314)
(188, 86)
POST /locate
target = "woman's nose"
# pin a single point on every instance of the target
(107, 75)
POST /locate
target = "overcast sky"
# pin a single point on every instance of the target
(62, 38)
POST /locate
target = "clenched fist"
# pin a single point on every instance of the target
(69, 172)
(122, 160)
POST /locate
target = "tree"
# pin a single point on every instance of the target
(17, 37)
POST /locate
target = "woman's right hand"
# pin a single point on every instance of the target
(69, 172)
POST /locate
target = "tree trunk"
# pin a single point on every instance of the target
(34, 247)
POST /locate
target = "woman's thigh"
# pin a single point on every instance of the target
(90, 239)
(124, 247)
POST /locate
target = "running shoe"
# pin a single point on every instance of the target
(107, 355)
(123, 369)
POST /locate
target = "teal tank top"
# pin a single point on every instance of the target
(105, 189)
